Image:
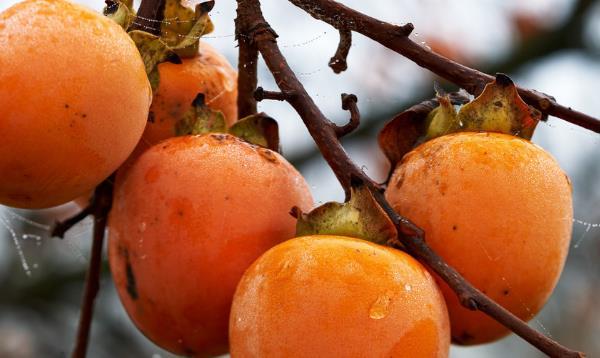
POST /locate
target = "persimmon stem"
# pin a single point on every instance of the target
(325, 135)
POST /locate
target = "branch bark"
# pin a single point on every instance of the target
(150, 16)
(324, 133)
(396, 39)
(247, 75)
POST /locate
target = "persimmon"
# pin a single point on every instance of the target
(74, 99)
(189, 216)
(336, 296)
(208, 73)
(497, 208)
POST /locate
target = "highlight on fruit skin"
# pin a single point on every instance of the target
(498, 209)
(208, 73)
(188, 218)
(336, 296)
(69, 114)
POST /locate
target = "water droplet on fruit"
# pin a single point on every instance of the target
(380, 308)
(407, 287)
(142, 226)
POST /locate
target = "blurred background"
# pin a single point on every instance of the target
(550, 45)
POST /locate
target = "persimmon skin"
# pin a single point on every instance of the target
(334, 296)
(209, 73)
(74, 100)
(497, 208)
(188, 218)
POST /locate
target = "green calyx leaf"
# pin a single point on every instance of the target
(360, 217)
(442, 119)
(121, 12)
(183, 26)
(153, 51)
(499, 108)
(200, 119)
(258, 129)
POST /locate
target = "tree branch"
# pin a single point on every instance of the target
(100, 208)
(324, 134)
(247, 75)
(388, 35)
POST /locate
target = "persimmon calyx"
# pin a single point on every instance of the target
(180, 33)
(499, 108)
(121, 12)
(359, 217)
(182, 28)
(258, 129)
(200, 119)
(153, 51)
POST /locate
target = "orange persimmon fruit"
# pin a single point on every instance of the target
(335, 296)
(189, 216)
(74, 100)
(208, 73)
(497, 208)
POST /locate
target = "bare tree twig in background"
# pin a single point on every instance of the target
(396, 38)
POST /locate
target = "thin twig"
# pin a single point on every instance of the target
(61, 227)
(100, 207)
(324, 133)
(388, 35)
(260, 95)
(338, 62)
(349, 104)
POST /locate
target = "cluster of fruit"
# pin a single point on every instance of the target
(201, 240)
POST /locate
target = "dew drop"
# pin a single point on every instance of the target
(408, 287)
(142, 226)
(380, 308)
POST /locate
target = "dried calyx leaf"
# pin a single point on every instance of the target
(499, 108)
(360, 217)
(259, 129)
(183, 26)
(120, 11)
(153, 51)
(404, 131)
(200, 119)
